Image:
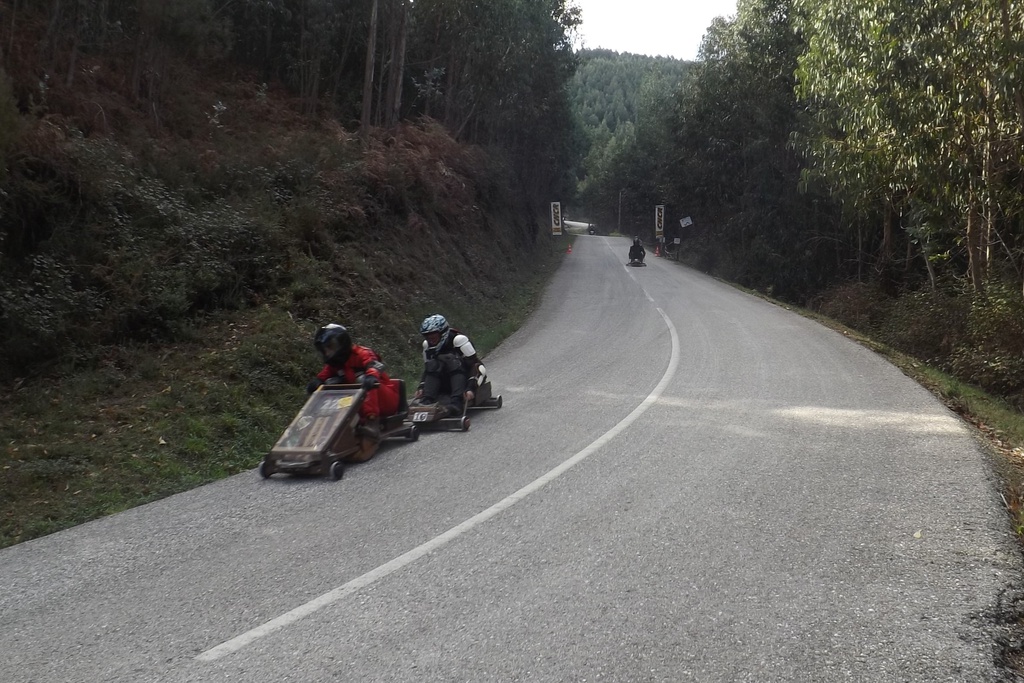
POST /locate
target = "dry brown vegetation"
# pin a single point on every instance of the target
(164, 269)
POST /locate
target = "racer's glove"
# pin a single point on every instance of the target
(313, 385)
(370, 382)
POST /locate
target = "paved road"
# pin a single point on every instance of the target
(685, 484)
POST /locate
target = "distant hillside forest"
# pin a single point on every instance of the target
(611, 92)
(864, 158)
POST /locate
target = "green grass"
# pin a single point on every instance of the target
(151, 421)
(169, 419)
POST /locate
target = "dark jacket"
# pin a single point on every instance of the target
(637, 251)
(448, 351)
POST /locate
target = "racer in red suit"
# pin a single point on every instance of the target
(348, 363)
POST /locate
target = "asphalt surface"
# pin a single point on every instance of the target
(685, 483)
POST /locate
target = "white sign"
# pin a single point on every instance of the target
(685, 221)
(556, 218)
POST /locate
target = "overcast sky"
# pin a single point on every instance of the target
(670, 28)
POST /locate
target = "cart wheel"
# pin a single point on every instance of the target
(265, 470)
(464, 424)
(413, 434)
(498, 405)
(337, 470)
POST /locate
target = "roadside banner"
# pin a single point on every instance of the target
(659, 221)
(556, 218)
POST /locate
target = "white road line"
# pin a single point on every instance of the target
(629, 270)
(276, 624)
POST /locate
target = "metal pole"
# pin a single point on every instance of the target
(619, 229)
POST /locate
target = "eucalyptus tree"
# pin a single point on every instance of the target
(645, 165)
(480, 65)
(260, 29)
(368, 70)
(920, 101)
(316, 47)
(160, 31)
(608, 185)
(732, 168)
(496, 73)
(143, 33)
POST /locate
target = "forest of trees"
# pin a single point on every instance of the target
(188, 188)
(863, 157)
(488, 71)
(610, 94)
(161, 160)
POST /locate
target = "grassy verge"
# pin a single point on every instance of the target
(151, 421)
(486, 325)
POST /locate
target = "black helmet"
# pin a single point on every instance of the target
(334, 344)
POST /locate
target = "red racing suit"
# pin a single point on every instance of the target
(379, 402)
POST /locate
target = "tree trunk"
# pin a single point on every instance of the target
(886, 255)
(371, 54)
(860, 252)
(102, 18)
(393, 104)
(927, 261)
(436, 54)
(909, 256)
(78, 23)
(975, 248)
(72, 61)
(138, 66)
(52, 30)
(339, 66)
(449, 92)
(14, 16)
(1008, 36)
(268, 71)
(379, 91)
(308, 61)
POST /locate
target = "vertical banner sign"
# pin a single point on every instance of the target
(659, 222)
(556, 218)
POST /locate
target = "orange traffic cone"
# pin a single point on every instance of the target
(570, 250)
(657, 250)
